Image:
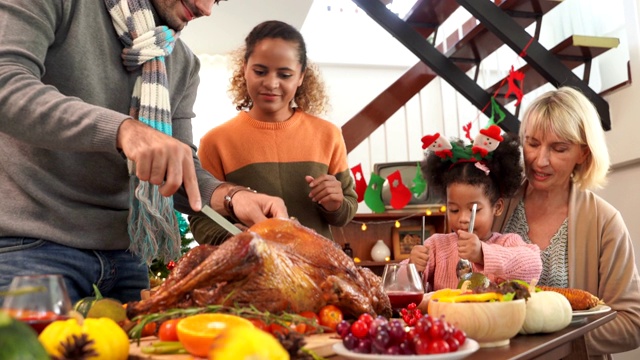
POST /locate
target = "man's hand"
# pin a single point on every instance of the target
(326, 191)
(160, 159)
(251, 208)
(420, 257)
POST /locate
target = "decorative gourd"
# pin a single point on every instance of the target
(18, 340)
(546, 312)
(99, 306)
(110, 342)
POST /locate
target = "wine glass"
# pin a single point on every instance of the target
(37, 300)
(403, 284)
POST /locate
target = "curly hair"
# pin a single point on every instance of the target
(505, 170)
(311, 97)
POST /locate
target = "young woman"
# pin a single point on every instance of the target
(465, 178)
(584, 241)
(275, 144)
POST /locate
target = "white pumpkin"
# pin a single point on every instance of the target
(547, 312)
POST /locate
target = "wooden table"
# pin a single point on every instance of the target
(568, 343)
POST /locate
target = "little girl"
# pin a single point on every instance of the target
(466, 176)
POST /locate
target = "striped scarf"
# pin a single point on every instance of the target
(153, 227)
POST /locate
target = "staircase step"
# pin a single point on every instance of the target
(478, 42)
(427, 15)
(573, 52)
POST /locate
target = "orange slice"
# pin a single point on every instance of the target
(198, 332)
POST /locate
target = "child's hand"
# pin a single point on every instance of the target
(469, 247)
(419, 256)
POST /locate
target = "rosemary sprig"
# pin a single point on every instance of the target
(250, 312)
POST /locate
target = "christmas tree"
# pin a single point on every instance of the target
(158, 270)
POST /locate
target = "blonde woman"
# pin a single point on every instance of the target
(584, 241)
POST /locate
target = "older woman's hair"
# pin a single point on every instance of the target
(567, 113)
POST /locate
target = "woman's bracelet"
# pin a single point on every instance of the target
(228, 206)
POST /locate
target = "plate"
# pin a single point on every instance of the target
(598, 309)
(470, 346)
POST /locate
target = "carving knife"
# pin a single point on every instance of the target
(220, 220)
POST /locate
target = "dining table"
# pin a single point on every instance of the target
(568, 343)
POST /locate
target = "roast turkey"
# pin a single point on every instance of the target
(279, 266)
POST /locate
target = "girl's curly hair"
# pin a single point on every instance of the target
(311, 97)
(505, 170)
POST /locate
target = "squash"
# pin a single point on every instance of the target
(18, 341)
(99, 306)
(546, 312)
(84, 305)
(110, 342)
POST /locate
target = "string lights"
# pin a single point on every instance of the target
(364, 225)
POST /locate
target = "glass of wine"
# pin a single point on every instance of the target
(37, 300)
(403, 284)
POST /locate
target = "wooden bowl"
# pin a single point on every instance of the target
(489, 323)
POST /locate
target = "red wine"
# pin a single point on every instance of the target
(400, 299)
(39, 324)
(37, 320)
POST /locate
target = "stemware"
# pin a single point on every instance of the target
(37, 300)
(403, 285)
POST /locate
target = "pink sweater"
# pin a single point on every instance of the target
(505, 257)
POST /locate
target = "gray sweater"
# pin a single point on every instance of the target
(63, 94)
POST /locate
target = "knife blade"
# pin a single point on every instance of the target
(220, 220)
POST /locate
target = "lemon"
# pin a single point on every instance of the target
(247, 343)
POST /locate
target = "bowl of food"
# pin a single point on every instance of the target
(487, 318)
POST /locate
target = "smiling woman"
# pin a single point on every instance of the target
(277, 92)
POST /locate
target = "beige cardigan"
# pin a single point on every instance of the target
(601, 260)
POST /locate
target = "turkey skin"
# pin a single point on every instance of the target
(277, 265)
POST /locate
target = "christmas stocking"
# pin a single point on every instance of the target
(400, 194)
(373, 195)
(419, 182)
(361, 185)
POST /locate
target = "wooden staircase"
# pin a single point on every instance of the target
(492, 25)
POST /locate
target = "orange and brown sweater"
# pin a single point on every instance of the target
(274, 158)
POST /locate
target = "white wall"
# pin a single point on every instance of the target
(622, 191)
(380, 61)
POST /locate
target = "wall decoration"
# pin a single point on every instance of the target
(405, 238)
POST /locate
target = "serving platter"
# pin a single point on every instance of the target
(320, 344)
(469, 347)
(598, 309)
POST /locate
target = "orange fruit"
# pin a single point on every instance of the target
(198, 332)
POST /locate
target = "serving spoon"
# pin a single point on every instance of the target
(464, 265)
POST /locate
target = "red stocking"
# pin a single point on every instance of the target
(400, 194)
(361, 184)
